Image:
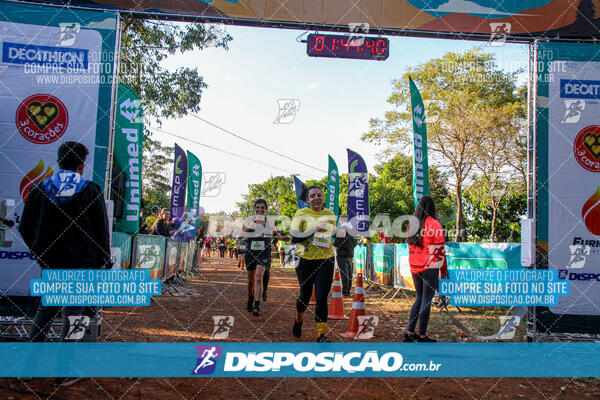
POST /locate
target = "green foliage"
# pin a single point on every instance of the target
(479, 212)
(462, 92)
(391, 190)
(156, 165)
(279, 193)
(145, 44)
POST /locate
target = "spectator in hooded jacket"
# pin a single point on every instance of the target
(65, 225)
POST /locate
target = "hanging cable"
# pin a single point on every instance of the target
(256, 144)
(223, 151)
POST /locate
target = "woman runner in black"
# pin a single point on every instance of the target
(258, 231)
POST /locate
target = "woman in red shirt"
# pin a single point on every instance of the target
(427, 259)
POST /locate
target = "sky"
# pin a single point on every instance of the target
(337, 97)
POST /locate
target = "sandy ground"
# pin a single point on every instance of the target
(220, 288)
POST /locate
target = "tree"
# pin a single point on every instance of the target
(145, 44)
(391, 190)
(479, 213)
(156, 165)
(502, 159)
(277, 191)
(459, 88)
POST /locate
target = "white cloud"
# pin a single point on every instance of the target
(468, 7)
(312, 86)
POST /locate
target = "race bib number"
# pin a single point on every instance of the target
(243, 246)
(257, 245)
(322, 240)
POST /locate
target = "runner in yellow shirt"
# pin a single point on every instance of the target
(312, 230)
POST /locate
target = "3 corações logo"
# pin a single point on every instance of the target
(587, 148)
(42, 118)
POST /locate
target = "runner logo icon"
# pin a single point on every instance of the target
(578, 256)
(573, 111)
(223, 325)
(207, 359)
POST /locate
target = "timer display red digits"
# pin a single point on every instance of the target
(344, 46)
(369, 44)
(380, 47)
(319, 43)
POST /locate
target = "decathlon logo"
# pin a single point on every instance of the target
(579, 89)
(55, 57)
(320, 362)
(207, 359)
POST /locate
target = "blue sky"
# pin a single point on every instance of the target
(337, 98)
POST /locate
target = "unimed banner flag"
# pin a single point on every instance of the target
(420, 162)
(128, 146)
(298, 188)
(333, 188)
(179, 183)
(358, 193)
(55, 74)
(194, 181)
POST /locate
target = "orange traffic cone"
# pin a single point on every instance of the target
(337, 304)
(358, 308)
(313, 299)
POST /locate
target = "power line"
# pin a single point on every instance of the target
(256, 144)
(221, 150)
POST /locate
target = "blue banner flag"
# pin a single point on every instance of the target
(298, 187)
(358, 193)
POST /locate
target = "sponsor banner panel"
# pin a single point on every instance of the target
(483, 255)
(151, 254)
(574, 182)
(55, 69)
(360, 259)
(226, 359)
(171, 258)
(122, 242)
(383, 261)
(499, 20)
(402, 276)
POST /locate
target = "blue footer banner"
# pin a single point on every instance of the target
(372, 359)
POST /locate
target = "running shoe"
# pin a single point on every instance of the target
(297, 329)
(426, 339)
(322, 339)
(256, 310)
(410, 337)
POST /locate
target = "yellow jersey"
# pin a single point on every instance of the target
(319, 245)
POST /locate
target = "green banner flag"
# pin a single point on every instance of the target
(128, 146)
(420, 162)
(194, 182)
(333, 188)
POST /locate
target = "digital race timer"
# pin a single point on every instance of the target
(346, 46)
